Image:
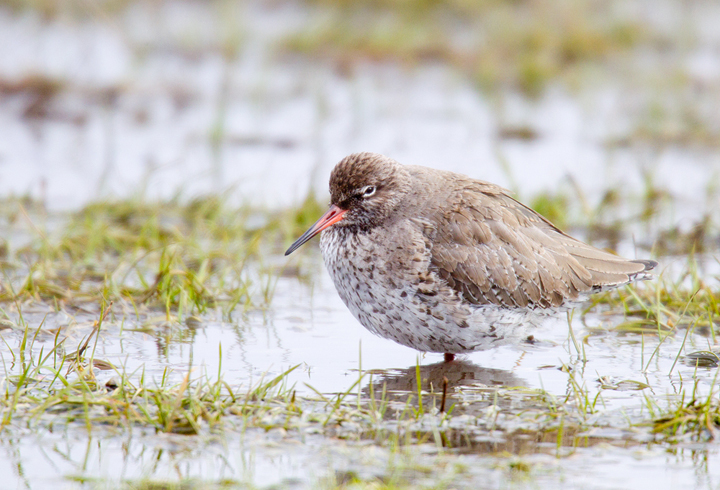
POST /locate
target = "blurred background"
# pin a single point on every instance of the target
(599, 113)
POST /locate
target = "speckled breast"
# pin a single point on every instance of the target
(408, 303)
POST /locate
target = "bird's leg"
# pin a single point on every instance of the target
(444, 395)
(449, 357)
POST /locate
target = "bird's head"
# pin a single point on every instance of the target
(365, 190)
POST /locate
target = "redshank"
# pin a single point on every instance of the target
(440, 262)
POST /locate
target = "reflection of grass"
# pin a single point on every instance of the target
(519, 43)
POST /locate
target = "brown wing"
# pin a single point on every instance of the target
(495, 250)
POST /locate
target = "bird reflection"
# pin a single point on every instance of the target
(465, 381)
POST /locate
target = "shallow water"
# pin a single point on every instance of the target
(262, 460)
(148, 106)
(308, 325)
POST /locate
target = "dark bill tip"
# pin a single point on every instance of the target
(299, 242)
(332, 216)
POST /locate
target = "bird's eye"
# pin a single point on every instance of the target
(368, 190)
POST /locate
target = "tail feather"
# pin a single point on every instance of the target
(643, 275)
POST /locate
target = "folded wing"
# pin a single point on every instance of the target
(495, 250)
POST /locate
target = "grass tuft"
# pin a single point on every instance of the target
(178, 257)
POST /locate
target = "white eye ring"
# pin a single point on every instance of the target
(368, 190)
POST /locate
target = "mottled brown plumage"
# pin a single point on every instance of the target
(442, 262)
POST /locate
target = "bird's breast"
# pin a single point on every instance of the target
(388, 288)
(356, 264)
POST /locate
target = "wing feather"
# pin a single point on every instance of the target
(494, 250)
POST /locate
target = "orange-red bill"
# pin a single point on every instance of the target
(332, 216)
